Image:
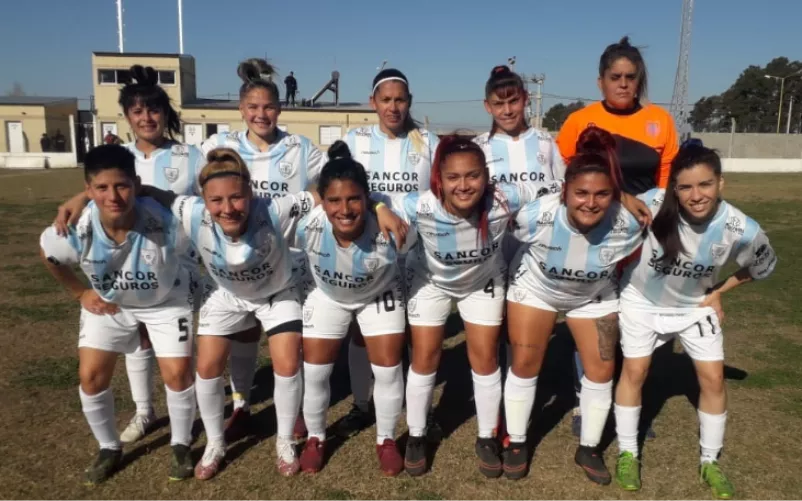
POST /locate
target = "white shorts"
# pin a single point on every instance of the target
(223, 314)
(643, 330)
(606, 304)
(169, 328)
(326, 318)
(429, 305)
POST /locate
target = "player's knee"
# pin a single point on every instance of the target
(600, 372)
(527, 363)
(425, 362)
(634, 374)
(93, 380)
(178, 376)
(286, 365)
(711, 382)
(211, 367)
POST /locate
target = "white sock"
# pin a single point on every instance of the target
(317, 394)
(487, 397)
(359, 368)
(181, 408)
(711, 435)
(242, 367)
(139, 366)
(595, 400)
(389, 398)
(420, 390)
(626, 427)
(519, 397)
(287, 397)
(99, 412)
(211, 403)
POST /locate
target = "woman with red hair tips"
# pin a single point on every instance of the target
(571, 244)
(460, 224)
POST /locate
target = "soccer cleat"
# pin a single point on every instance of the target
(589, 459)
(355, 421)
(312, 455)
(286, 458)
(487, 451)
(515, 457)
(138, 427)
(238, 425)
(390, 461)
(104, 466)
(434, 432)
(710, 473)
(627, 471)
(181, 467)
(210, 463)
(415, 456)
(299, 431)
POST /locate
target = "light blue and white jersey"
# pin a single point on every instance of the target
(289, 166)
(255, 266)
(143, 271)
(450, 252)
(684, 281)
(173, 167)
(393, 165)
(566, 268)
(353, 274)
(532, 156)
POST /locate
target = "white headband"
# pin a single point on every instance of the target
(387, 80)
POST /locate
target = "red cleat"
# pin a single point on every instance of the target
(312, 456)
(390, 461)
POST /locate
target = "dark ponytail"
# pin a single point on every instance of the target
(257, 73)
(624, 49)
(342, 166)
(504, 83)
(666, 223)
(595, 152)
(144, 90)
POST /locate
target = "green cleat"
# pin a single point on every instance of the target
(181, 466)
(107, 462)
(710, 473)
(627, 472)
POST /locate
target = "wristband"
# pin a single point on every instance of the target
(380, 204)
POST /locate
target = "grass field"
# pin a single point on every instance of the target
(45, 443)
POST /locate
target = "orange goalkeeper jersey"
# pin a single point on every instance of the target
(646, 141)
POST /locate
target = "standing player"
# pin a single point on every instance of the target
(461, 223)
(162, 162)
(354, 276)
(279, 164)
(130, 250)
(397, 154)
(671, 291)
(645, 135)
(572, 243)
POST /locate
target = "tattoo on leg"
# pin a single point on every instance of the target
(608, 336)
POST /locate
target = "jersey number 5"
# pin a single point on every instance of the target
(182, 327)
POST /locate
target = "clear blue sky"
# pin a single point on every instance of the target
(446, 48)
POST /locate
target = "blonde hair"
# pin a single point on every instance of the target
(224, 162)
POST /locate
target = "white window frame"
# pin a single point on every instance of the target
(329, 129)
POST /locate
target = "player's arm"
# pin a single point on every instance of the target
(637, 208)
(387, 213)
(69, 212)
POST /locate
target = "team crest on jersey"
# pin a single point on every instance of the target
(620, 225)
(718, 250)
(171, 173)
(413, 157)
(292, 140)
(653, 128)
(206, 220)
(519, 294)
(315, 225)
(425, 209)
(546, 219)
(658, 200)
(286, 169)
(412, 305)
(148, 256)
(379, 239)
(541, 158)
(371, 264)
(606, 255)
(734, 225)
(307, 313)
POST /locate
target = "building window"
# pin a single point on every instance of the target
(124, 77)
(167, 77)
(107, 76)
(329, 134)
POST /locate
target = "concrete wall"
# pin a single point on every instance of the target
(37, 161)
(747, 145)
(37, 120)
(765, 165)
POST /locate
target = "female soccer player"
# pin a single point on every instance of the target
(460, 223)
(355, 276)
(573, 241)
(130, 250)
(241, 240)
(646, 137)
(279, 163)
(162, 162)
(670, 291)
(397, 154)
